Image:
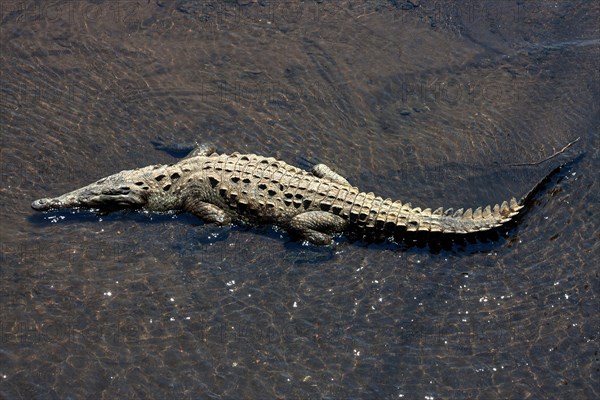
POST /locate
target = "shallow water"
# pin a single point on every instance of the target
(430, 104)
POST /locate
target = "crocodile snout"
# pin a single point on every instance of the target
(45, 204)
(90, 196)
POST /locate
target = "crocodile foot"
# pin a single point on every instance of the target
(323, 171)
(209, 213)
(317, 227)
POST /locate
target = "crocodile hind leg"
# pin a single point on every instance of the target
(323, 171)
(208, 213)
(202, 150)
(317, 226)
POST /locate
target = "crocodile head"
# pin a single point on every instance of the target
(127, 189)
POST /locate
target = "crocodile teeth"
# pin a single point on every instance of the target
(458, 213)
(449, 212)
(427, 212)
(468, 214)
(438, 211)
(477, 214)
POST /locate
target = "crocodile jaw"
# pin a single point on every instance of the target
(111, 193)
(83, 198)
(101, 201)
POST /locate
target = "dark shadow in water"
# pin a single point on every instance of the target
(177, 150)
(78, 216)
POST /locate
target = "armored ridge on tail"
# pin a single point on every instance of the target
(221, 188)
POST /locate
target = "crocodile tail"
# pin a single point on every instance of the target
(460, 221)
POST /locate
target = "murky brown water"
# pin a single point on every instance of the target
(429, 104)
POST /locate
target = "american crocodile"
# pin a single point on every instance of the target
(222, 188)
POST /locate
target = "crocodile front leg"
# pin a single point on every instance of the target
(208, 213)
(317, 226)
(323, 171)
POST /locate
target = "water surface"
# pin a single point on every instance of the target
(421, 101)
